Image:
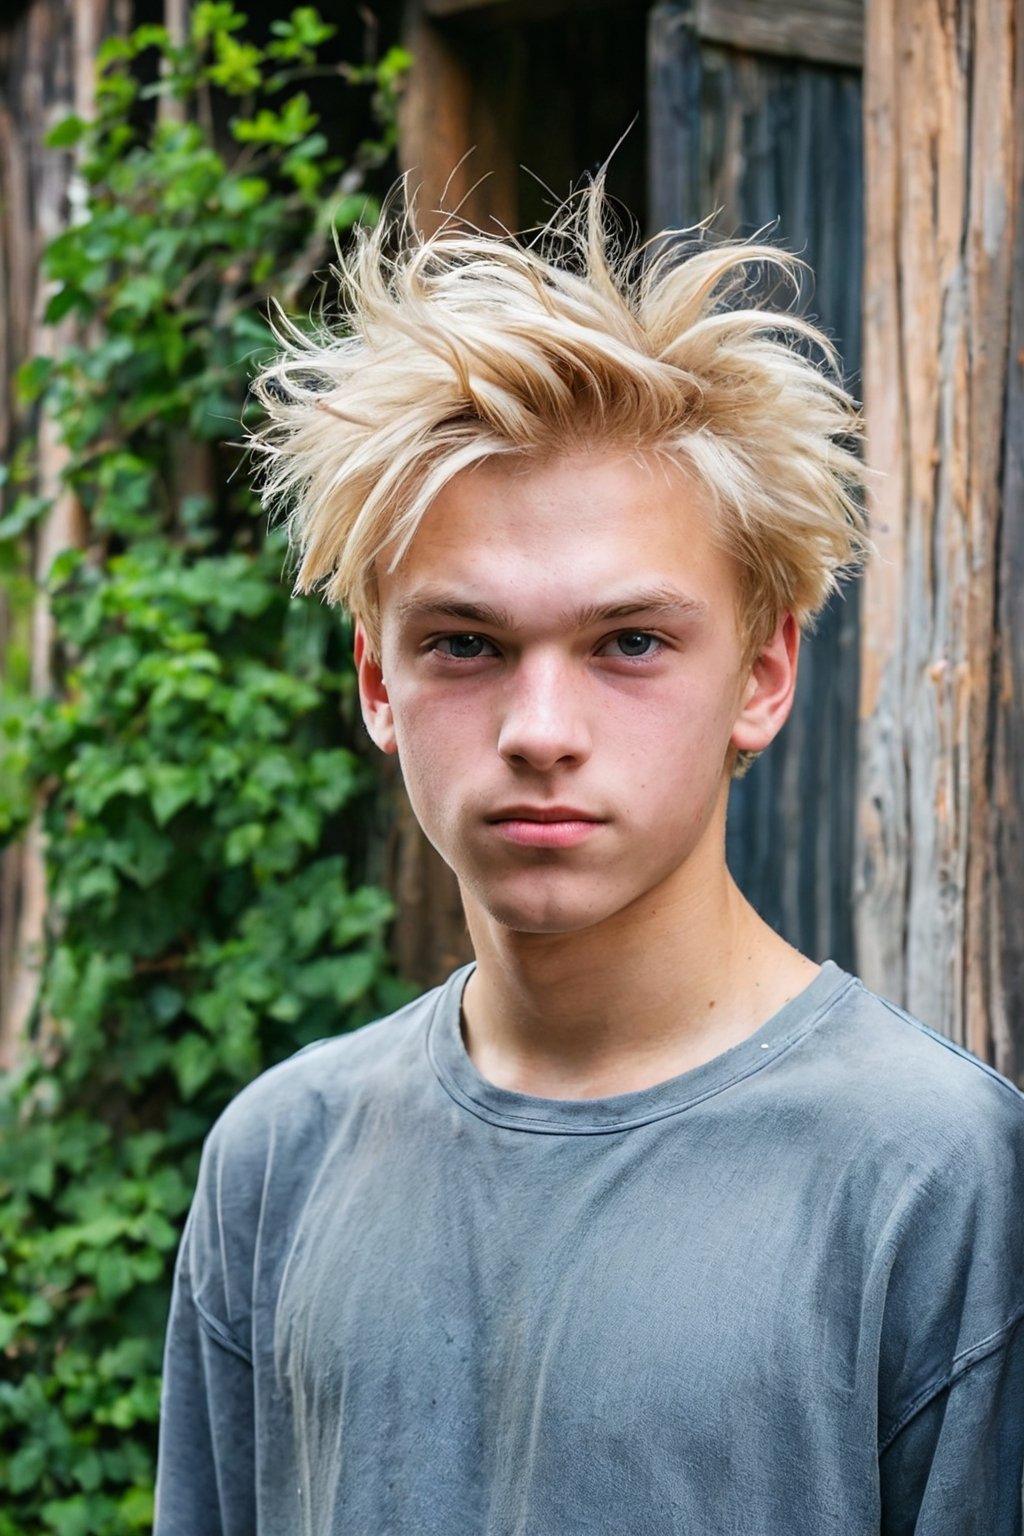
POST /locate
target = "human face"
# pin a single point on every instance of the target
(562, 675)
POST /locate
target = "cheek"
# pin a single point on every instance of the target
(677, 757)
(691, 727)
(440, 747)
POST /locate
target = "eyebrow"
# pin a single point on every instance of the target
(666, 602)
(661, 601)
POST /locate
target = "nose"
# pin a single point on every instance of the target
(544, 721)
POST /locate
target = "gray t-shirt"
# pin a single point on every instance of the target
(779, 1295)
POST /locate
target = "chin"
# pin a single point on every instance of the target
(539, 916)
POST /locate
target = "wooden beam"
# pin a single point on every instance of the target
(825, 31)
(942, 192)
(501, 12)
(1007, 830)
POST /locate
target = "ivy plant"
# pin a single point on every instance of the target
(193, 767)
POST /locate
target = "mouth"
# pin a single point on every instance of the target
(549, 826)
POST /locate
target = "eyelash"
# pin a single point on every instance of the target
(636, 634)
(443, 640)
(438, 645)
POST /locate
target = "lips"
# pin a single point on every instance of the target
(548, 826)
(543, 813)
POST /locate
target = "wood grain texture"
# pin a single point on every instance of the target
(489, 12)
(825, 31)
(941, 196)
(1007, 830)
(776, 144)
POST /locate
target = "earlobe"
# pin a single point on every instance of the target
(769, 690)
(373, 694)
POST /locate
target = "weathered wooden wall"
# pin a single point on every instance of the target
(1007, 1001)
(940, 887)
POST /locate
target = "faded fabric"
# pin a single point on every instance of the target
(779, 1295)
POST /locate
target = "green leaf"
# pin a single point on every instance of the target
(341, 978)
(212, 16)
(88, 1472)
(237, 67)
(26, 1467)
(136, 1509)
(63, 302)
(70, 1517)
(25, 511)
(195, 1062)
(115, 1275)
(151, 36)
(172, 787)
(67, 132)
(32, 378)
(112, 50)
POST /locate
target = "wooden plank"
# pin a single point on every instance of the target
(939, 281)
(501, 12)
(453, 121)
(883, 822)
(1007, 831)
(826, 31)
(674, 76)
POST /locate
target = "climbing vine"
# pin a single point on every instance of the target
(193, 767)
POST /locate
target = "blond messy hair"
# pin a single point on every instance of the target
(464, 346)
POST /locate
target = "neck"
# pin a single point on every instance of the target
(658, 989)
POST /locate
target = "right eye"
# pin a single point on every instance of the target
(464, 647)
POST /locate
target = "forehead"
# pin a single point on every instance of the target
(559, 536)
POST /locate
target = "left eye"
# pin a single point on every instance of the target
(632, 643)
(464, 647)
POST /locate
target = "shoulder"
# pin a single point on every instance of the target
(887, 1066)
(293, 1101)
(916, 1141)
(935, 1146)
(271, 1142)
(938, 1146)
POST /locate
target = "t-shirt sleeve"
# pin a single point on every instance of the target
(254, 1166)
(951, 1400)
(206, 1471)
(206, 1476)
(955, 1467)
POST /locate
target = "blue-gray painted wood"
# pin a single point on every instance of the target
(1007, 1011)
(777, 143)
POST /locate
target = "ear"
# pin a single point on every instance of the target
(768, 695)
(373, 695)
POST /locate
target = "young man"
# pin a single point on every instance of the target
(645, 1224)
